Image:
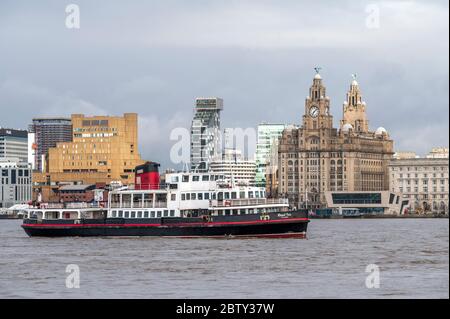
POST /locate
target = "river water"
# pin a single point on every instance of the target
(412, 256)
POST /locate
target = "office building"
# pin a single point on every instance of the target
(205, 133)
(104, 149)
(15, 182)
(423, 181)
(268, 137)
(14, 144)
(47, 133)
(234, 167)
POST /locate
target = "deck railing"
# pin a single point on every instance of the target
(74, 205)
(157, 204)
(249, 202)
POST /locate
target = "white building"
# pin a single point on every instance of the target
(32, 150)
(423, 181)
(234, 168)
(14, 144)
(15, 182)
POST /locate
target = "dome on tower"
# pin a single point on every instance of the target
(347, 127)
(317, 77)
(380, 131)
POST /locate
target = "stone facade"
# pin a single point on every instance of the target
(424, 181)
(317, 157)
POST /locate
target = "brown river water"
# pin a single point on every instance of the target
(412, 256)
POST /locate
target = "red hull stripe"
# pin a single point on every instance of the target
(211, 224)
(285, 235)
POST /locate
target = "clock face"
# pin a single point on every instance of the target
(314, 111)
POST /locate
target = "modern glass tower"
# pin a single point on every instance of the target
(205, 132)
(268, 134)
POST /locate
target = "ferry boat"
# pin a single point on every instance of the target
(188, 205)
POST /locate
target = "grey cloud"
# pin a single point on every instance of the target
(155, 57)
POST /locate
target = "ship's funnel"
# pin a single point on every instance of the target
(147, 176)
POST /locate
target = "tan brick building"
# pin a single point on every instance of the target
(317, 157)
(104, 149)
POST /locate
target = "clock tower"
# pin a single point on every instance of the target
(317, 106)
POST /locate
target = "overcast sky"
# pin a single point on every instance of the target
(156, 57)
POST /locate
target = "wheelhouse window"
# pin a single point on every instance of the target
(185, 178)
(196, 178)
(205, 178)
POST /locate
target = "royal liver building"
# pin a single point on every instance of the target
(317, 157)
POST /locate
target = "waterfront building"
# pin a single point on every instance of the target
(205, 133)
(15, 182)
(317, 157)
(366, 203)
(14, 144)
(423, 181)
(47, 133)
(268, 136)
(104, 149)
(234, 167)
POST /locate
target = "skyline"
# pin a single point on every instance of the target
(256, 56)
